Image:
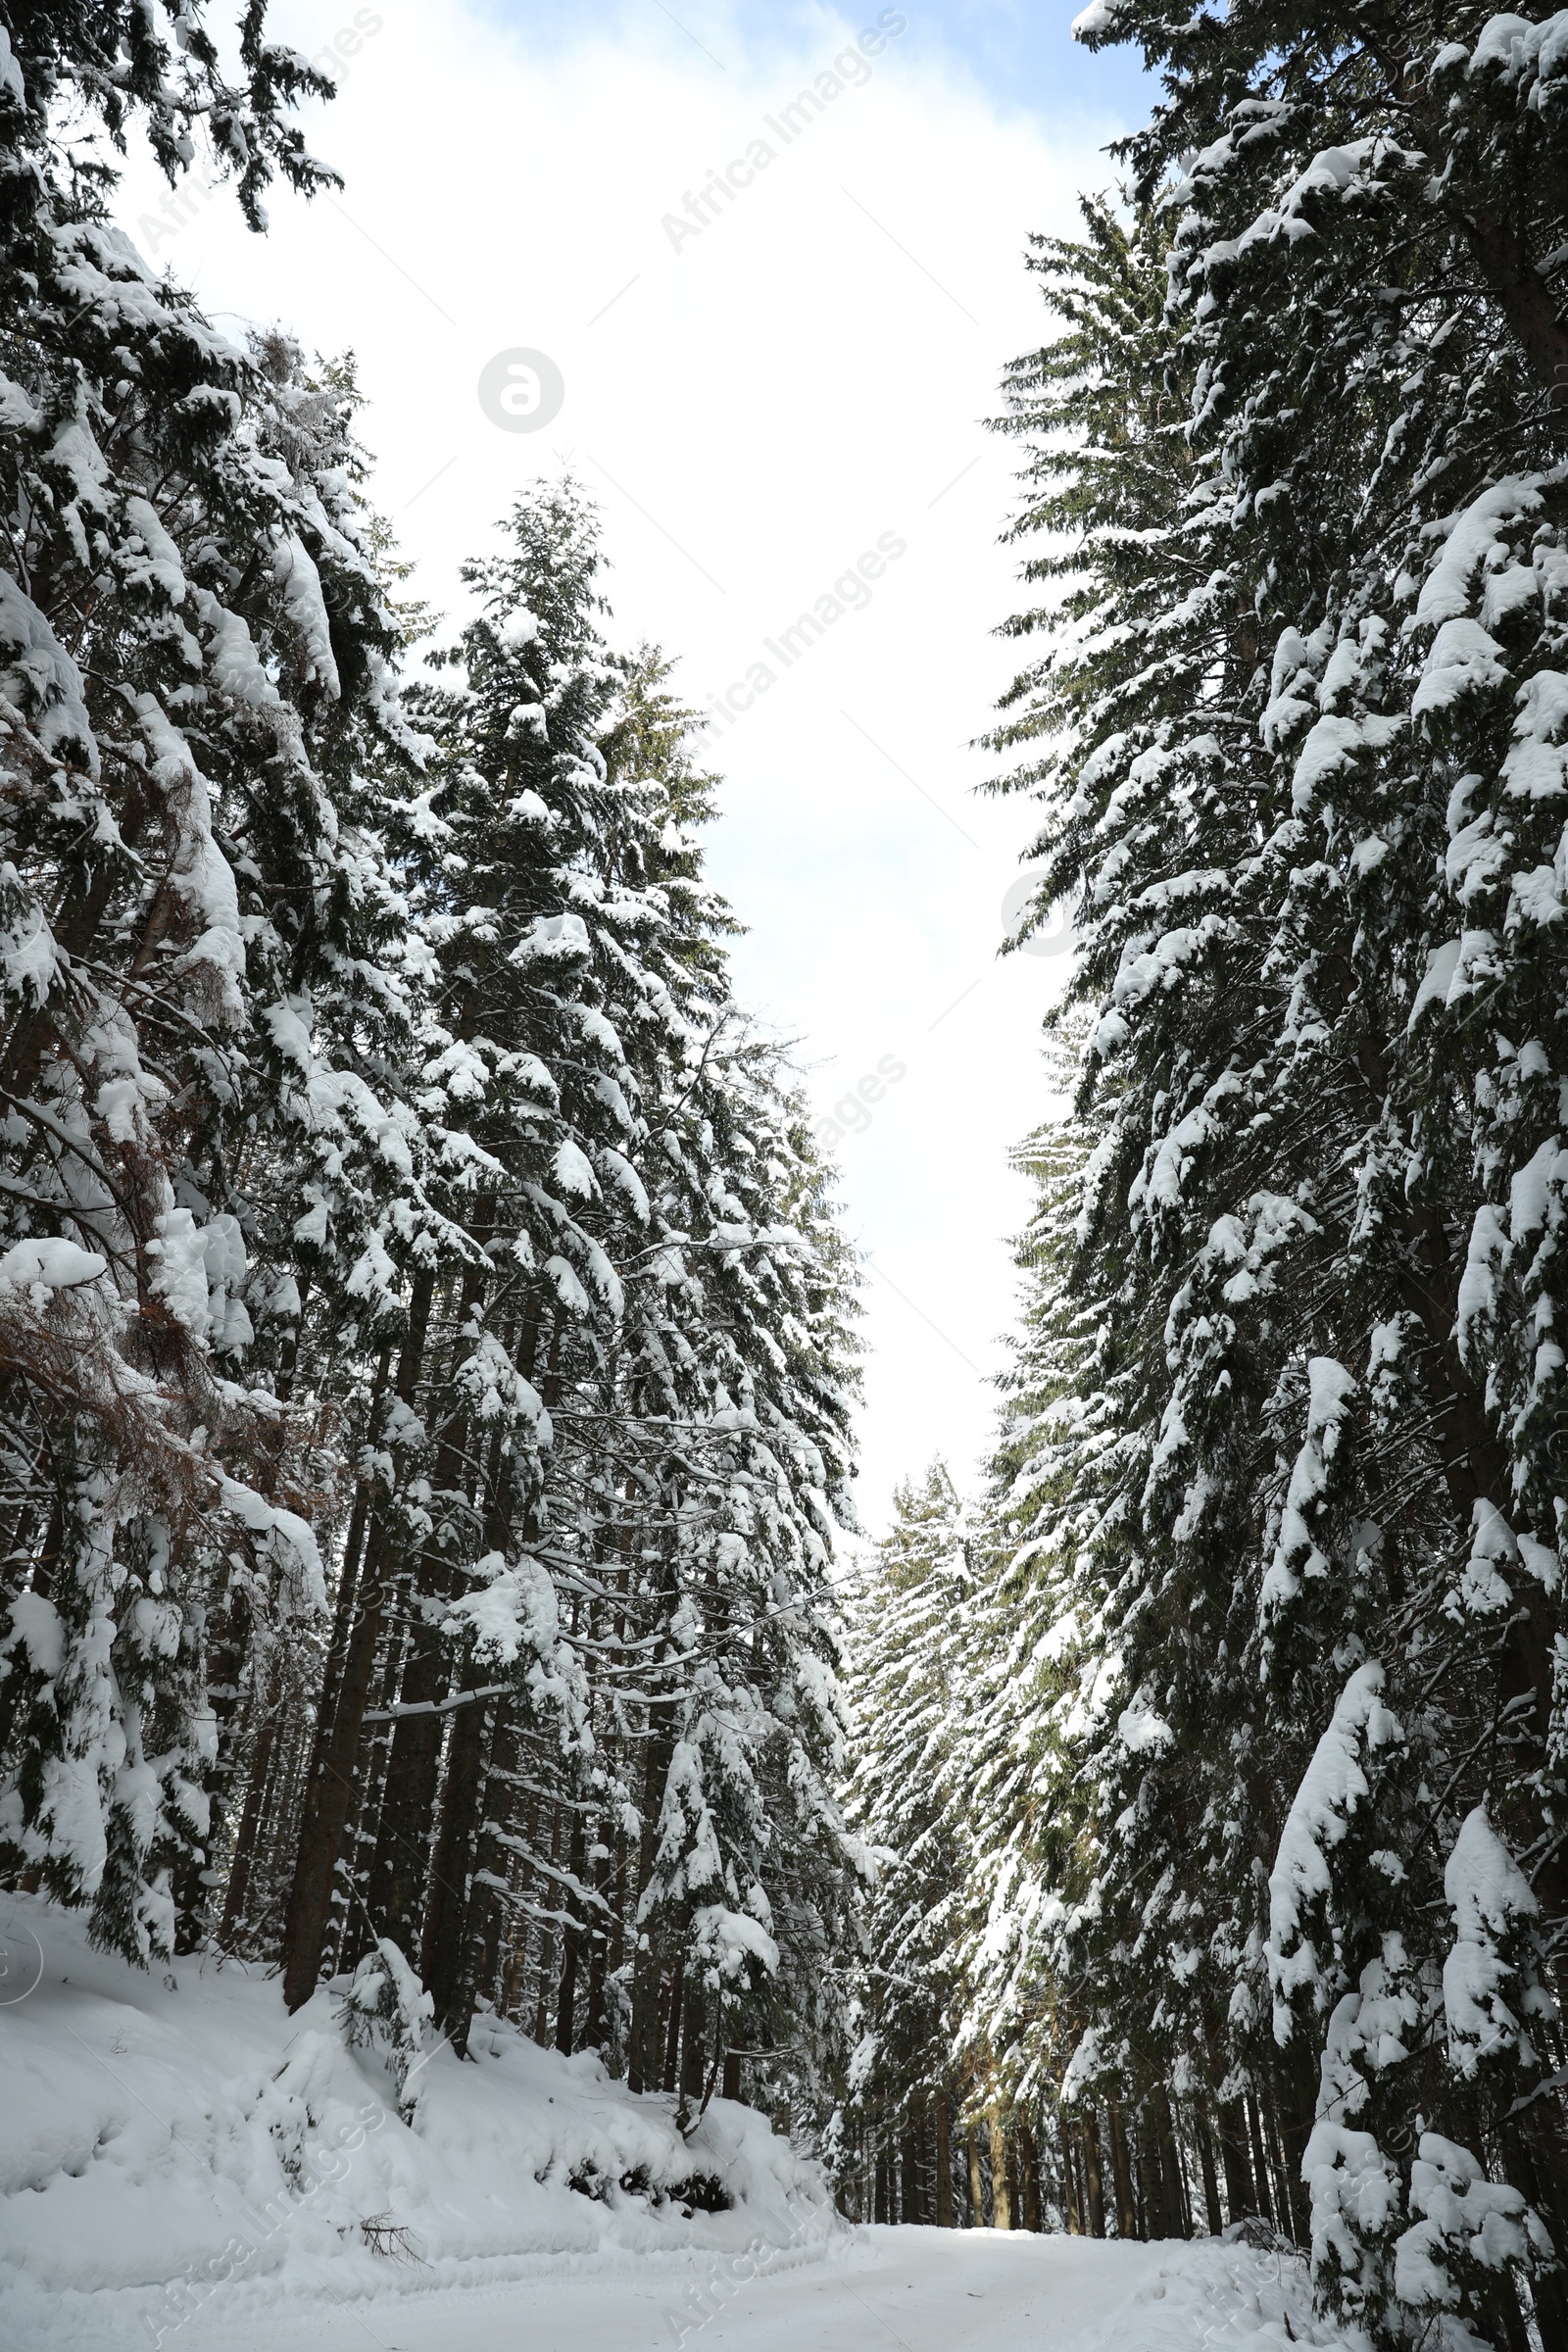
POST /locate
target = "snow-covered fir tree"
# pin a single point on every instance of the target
(907, 1607)
(197, 702)
(1293, 1899)
(426, 1350)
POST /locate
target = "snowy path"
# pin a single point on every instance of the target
(177, 2170)
(887, 2290)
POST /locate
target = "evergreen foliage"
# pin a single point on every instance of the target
(426, 1352)
(1266, 1879)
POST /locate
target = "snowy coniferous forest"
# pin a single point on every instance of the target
(428, 1353)
(428, 1348)
(1223, 1741)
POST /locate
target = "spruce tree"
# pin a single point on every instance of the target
(1301, 712)
(199, 737)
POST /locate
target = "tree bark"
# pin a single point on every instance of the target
(1525, 301)
(330, 1788)
(1094, 2178)
(909, 2201)
(1029, 2171)
(1001, 2213)
(643, 2057)
(1069, 2182)
(1121, 2174)
(694, 2043)
(1205, 2157)
(571, 1945)
(1239, 2192)
(398, 1889)
(977, 2200)
(1260, 2179)
(677, 1989)
(1151, 2178)
(446, 1950)
(1170, 2164)
(248, 1836)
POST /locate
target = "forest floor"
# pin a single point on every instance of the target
(184, 2166)
(876, 2290)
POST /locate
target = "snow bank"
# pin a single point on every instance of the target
(176, 2152)
(1214, 2291)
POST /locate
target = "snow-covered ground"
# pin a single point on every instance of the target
(185, 2165)
(176, 2150)
(876, 2290)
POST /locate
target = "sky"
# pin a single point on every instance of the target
(763, 382)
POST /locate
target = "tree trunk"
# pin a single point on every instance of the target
(331, 1783)
(943, 2164)
(1293, 2210)
(643, 2058)
(1001, 2215)
(694, 2045)
(249, 1835)
(909, 2201)
(1239, 2192)
(1069, 2182)
(571, 1943)
(1170, 2164)
(399, 1891)
(547, 1939)
(1205, 2157)
(1260, 2180)
(194, 1877)
(1029, 2170)
(444, 1949)
(977, 2201)
(1121, 2174)
(1092, 2174)
(1150, 2179)
(678, 1987)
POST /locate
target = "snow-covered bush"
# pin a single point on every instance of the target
(386, 2008)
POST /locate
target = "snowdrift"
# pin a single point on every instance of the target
(174, 2147)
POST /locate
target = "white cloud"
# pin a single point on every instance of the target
(756, 405)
